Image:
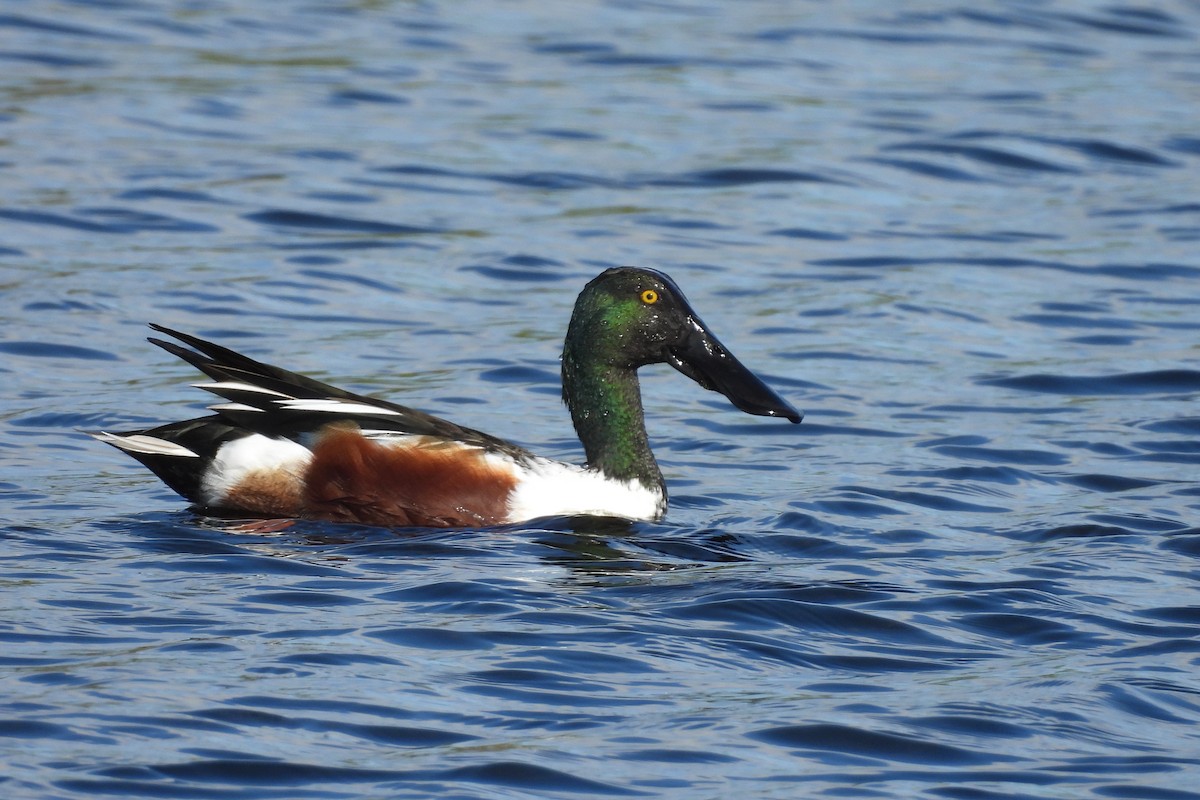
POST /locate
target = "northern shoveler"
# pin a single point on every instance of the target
(287, 446)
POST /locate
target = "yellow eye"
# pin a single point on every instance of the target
(649, 297)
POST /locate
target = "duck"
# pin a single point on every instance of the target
(283, 446)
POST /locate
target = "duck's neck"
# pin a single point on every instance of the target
(605, 402)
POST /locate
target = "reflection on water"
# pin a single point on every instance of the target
(962, 239)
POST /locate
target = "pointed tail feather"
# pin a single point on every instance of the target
(221, 363)
(178, 453)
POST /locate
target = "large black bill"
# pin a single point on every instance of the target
(705, 360)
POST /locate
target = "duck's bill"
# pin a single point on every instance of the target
(705, 360)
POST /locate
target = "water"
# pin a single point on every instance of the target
(963, 239)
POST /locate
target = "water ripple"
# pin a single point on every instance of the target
(328, 222)
(875, 745)
(1170, 381)
(108, 220)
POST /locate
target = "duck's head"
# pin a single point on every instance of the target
(628, 317)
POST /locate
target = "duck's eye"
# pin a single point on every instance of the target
(649, 297)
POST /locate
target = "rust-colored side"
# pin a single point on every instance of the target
(428, 483)
(269, 492)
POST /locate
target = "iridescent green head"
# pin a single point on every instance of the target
(628, 317)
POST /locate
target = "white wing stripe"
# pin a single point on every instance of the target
(386, 435)
(237, 386)
(233, 407)
(334, 406)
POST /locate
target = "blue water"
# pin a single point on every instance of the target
(964, 238)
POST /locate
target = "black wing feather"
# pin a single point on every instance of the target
(275, 419)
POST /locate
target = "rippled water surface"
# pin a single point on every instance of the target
(964, 238)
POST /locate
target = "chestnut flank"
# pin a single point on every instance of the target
(426, 483)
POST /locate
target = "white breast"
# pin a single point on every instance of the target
(548, 488)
